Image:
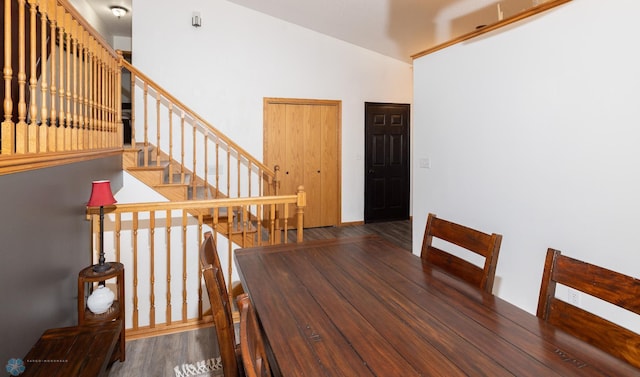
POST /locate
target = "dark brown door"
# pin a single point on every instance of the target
(386, 190)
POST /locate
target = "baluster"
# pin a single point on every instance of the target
(229, 222)
(44, 86)
(67, 45)
(182, 167)
(168, 242)
(32, 128)
(61, 110)
(249, 177)
(206, 167)
(118, 230)
(97, 84)
(112, 103)
(259, 209)
(228, 170)
(272, 225)
(132, 116)
(194, 146)
(81, 86)
(119, 135)
(102, 98)
(134, 316)
(53, 95)
(200, 241)
(93, 88)
(285, 235)
(109, 100)
(184, 265)
(238, 175)
(21, 126)
(145, 96)
(300, 204)
(158, 128)
(152, 277)
(170, 110)
(7, 133)
(74, 86)
(217, 168)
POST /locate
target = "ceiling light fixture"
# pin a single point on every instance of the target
(118, 11)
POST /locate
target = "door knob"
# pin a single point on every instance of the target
(371, 171)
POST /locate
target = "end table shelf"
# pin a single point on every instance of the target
(86, 282)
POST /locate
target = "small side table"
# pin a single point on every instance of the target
(86, 281)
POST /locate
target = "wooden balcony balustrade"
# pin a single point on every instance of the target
(61, 87)
(158, 243)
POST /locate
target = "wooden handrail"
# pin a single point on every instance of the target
(196, 117)
(297, 199)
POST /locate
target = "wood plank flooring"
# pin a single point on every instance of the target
(159, 356)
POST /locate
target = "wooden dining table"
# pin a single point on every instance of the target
(362, 306)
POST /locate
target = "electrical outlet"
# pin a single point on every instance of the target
(573, 297)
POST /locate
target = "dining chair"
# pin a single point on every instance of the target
(221, 309)
(483, 244)
(210, 256)
(613, 287)
(252, 346)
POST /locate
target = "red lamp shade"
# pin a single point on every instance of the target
(101, 194)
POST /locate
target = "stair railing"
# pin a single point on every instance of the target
(158, 243)
(171, 131)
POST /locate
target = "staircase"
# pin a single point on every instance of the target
(173, 181)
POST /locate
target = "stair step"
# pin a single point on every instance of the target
(177, 177)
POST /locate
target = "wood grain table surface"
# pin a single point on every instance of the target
(78, 351)
(361, 306)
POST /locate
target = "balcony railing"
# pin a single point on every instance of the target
(61, 87)
(158, 243)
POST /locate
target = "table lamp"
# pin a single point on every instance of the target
(101, 196)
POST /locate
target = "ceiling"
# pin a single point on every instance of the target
(395, 28)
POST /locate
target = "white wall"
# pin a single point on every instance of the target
(225, 68)
(533, 133)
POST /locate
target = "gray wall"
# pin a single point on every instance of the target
(44, 243)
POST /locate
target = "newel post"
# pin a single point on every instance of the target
(276, 180)
(300, 204)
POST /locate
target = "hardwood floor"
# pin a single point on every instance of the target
(159, 356)
(397, 232)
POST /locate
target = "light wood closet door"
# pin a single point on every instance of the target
(302, 136)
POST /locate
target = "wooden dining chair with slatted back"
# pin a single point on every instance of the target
(221, 310)
(252, 345)
(613, 287)
(483, 244)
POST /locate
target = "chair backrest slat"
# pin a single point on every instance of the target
(252, 345)
(616, 288)
(483, 244)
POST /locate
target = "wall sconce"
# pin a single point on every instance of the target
(196, 20)
(118, 11)
(101, 196)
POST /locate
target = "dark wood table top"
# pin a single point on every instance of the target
(364, 307)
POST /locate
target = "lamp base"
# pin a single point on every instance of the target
(101, 267)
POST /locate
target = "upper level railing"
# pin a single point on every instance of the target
(61, 86)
